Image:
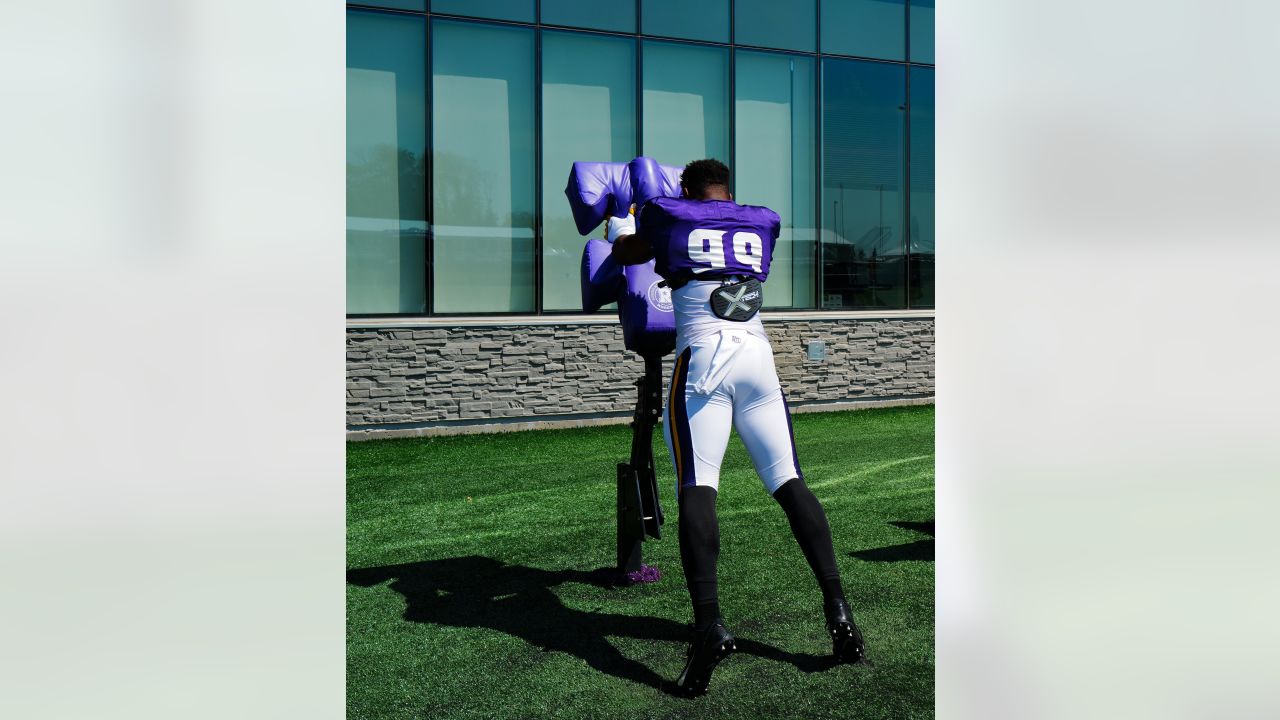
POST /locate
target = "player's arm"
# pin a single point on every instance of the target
(629, 247)
(632, 250)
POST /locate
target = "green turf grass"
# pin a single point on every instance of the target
(470, 590)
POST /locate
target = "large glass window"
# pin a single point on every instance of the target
(588, 113)
(789, 25)
(618, 15)
(686, 102)
(868, 28)
(774, 158)
(922, 31)
(483, 174)
(518, 10)
(703, 20)
(386, 163)
(445, 199)
(921, 229)
(863, 124)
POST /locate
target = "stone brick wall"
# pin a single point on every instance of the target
(865, 359)
(405, 378)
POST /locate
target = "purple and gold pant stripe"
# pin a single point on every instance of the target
(681, 440)
(795, 457)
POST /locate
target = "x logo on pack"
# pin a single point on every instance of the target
(735, 301)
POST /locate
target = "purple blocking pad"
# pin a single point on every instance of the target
(650, 180)
(648, 322)
(594, 191)
(601, 277)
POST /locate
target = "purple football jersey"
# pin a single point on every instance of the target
(703, 239)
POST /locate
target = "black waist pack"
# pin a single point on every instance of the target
(739, 301)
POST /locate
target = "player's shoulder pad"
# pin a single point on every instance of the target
(659, 211)
(678, 208)
(761, 214)
(665, 205)
(767, 220)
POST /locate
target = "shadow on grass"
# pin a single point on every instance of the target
(481, 592)
(918, 550)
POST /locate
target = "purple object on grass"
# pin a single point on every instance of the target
(646, 574)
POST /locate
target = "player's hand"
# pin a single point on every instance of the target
(620, 226)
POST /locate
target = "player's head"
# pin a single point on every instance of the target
(705, 180)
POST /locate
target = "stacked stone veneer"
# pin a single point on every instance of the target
(405, 378)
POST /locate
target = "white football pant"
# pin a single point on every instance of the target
(727, 379)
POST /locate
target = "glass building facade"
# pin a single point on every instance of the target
(463, 117)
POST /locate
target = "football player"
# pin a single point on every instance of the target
(714, 255)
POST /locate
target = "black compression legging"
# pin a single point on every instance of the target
(700, 542)
(700, 549)
(809, 525)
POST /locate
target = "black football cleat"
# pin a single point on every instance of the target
(708, 649)
(846, 639)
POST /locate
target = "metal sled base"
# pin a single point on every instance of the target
(639, 510)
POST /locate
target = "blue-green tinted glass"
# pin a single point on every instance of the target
(588, 113)
(483, 171)
(619, 15)
(518, 10)
(775, 156)
(922, 31)
(419, 5)
(786, 25)
(686, 102)
(868, 28)
(386, 163)
(702, 20)
(863, 126)
(921, 229)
